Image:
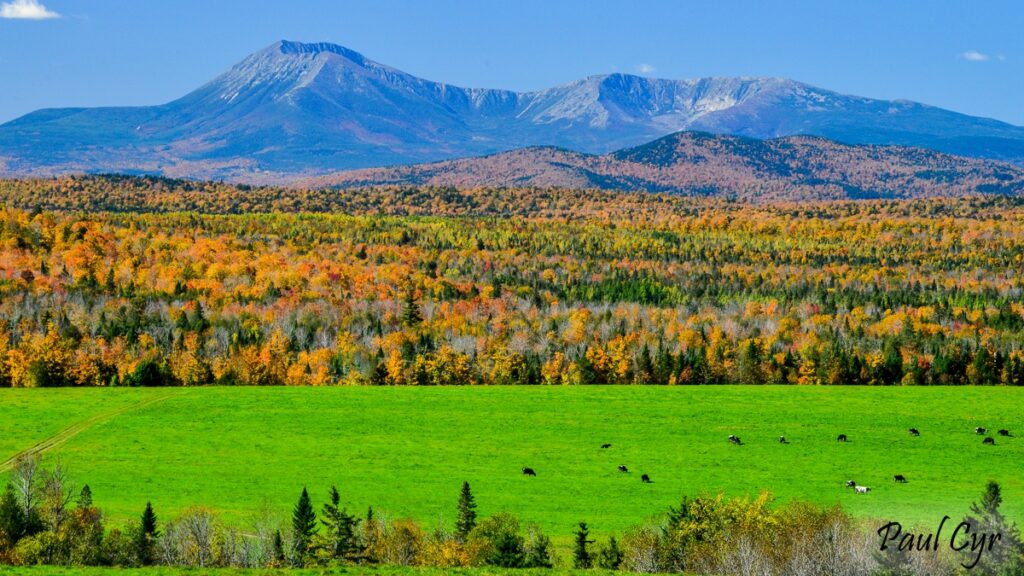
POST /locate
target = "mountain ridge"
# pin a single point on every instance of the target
(301, 109)
(697, 163)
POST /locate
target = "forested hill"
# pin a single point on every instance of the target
(699, 164)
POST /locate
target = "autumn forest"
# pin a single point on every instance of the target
(121, 281)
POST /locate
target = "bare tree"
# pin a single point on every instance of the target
(56, 496)
(25, 479)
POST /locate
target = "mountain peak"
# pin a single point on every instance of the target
(289, 47)
(307, 108)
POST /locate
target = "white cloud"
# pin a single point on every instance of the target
(26, 10)
(974, 56)
(644, 68)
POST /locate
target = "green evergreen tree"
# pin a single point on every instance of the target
(986, 518)
(466, 520)
(580, 554)
(538, 550)
(610, 556)
(748, 366)
(341, 528)
(411, 315)
(277, 548)
(85, 497)
(148, 533)
(645, 366)
(303, 526)
(12, 518)
(982, 372)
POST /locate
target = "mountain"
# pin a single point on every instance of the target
(790, 168)
(297, 109)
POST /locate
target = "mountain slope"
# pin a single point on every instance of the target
(304, 109)
(791, 168)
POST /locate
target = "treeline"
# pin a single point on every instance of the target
(139, 194)
(42, 523)
(642, 289)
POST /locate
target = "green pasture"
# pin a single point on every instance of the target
(405, 451)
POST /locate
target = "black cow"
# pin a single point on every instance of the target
(622, 468)
(850, 483)
(782, 440)
(900, 478)
(605, 446)
(529, 472)
(1004, 432)
(989, 440)
(841, 438)
(914, 432)
(645, 479)
(735, 439)
(979, 430)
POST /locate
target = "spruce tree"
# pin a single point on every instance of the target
(147, 536)
(85, 497)
(466, 520)
(341, 528)
(12, 518)
(538, 550)
(411, 316)
(277, 551)
(303, 524)
(645, 366)
(580, 555)
(986, 518)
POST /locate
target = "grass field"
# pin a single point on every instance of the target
(406, 450)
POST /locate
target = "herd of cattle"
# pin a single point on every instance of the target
(735, 440)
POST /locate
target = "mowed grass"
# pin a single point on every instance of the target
(406, 450)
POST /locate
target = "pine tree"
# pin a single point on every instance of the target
(277, 551)
(303, 525)
(12, 518)
(581, 556)
(147, 536)
(538, 550)
(411, 316)
(610, 557)
(85, 498)
(466, 520)
(645, 366)
(341, 528)
(986, 518)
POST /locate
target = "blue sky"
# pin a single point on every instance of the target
(966, 56)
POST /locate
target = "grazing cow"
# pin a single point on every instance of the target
(529, 472)
(605, 446)
(841, 438)
(622, 468)
(1004, 432)
(900, 478)
(782, 440)
(989, 440)
(645, 478)
(850, 483)
(914, 432)
(735, 440)
(979, 430)
(862, 489)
